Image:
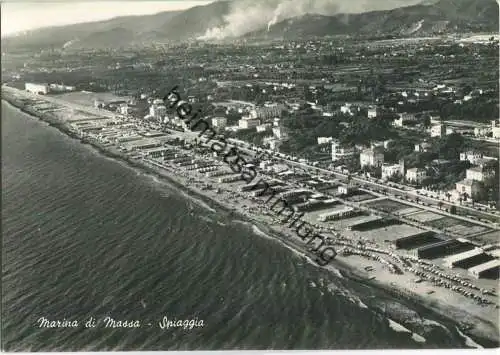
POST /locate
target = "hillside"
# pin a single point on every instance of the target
(444, 16)
(426, 18)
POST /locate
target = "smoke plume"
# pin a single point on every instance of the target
(251, 15)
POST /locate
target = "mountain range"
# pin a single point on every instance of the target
(426, 18)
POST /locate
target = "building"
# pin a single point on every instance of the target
(246, 123)
(471, 156)
(40, 89)
(467, 259)
(264, 127)
(441, 248)
(416, 240)
(279, 132)
(335, 215)
(438, 130)
(145, 143)
(495, 128)
(342, 153)
(123, 109)
(158, 112)
(423, 147)
(404, 119)
(61, 88)
(324, 140)
(347, 109)
(482, 131)
(267, 112)
(473, 188)
(390, 170)
(372, 157)
(98, 104)
(372, 112)
(416, 175)
(489, 269)
(480, 173)
(156, 152)
(347, 189)
(219, 122)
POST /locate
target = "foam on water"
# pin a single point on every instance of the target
(430, 322)
(398, 327)
(468, 341)
(198, 201)
(418, 338)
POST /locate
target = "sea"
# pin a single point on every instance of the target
(86, 237)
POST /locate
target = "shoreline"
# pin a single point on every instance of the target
(345, 268)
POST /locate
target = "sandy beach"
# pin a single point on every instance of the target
(478, 321)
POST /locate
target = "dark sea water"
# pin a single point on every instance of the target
(84, 235)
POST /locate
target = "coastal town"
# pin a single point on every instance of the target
(392, 158)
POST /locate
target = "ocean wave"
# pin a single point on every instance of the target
(418, 338)
(432, 323)
(258, 231)
(206, 219)
(468, 341)
(398, 327)
(198, 202)
(361, 304)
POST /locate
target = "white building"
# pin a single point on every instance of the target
(268, 112)
(264, 127)
(482, 131)
(390, 170)
(279, 132)
(340, 152)
(37, 88)
(404, 118)
(438, 130)
(324, 140)
(470, 187)
(246, 123)
(347, 189)
(416, 175)
(347, 109)
(123, 109)
(219, 122)
(495, 128)
(157, 111)
(372, 157)
(479, 173)
(372, 112)
(61, 88)
(471, 156)
(490, 267)
(423, 147)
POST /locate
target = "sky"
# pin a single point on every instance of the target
(245, 15)
(19, 15)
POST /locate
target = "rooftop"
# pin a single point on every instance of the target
(464, 255)
(468, 182)
(486, 266)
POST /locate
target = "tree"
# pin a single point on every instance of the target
(427, 122)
